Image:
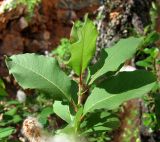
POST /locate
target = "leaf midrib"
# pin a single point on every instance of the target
(95, 75)
(99, 71)
(108, 98)
(42, 77)
(83, 48)
(97, 103)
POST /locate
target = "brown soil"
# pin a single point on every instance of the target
(51, 22)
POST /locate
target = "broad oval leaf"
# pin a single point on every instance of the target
(117, 89)
(113, 57)
(39, 72)
(83, 49)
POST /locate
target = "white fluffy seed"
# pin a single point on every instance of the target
(21, 96)
(127, 68)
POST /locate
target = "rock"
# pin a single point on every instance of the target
(12, 44)
(23, 23)
(119, 16)
(46, 35)
(32, 46)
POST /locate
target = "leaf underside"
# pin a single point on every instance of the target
(118, 89)
(62, 111)
(113, 57)
(39, 72)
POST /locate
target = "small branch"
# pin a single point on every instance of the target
(80, 90)
(80, 80)
(74, 106)
(155, 70)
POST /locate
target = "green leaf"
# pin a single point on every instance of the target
(102, 119)
(45, 113)
(69, 129)
(113, 57)
(98, 129)
(153, 52)
(143, 63)
(62, 51)
(74, 31)
(39, 72)
(2, 83)
(118, 89)
(74, 91)
(5, 132)
(146, 62)
(77, 119)
(16, 119)
(83, 49)
(74, 124)
(11, 112)
(3, 92)
(151, 38)
(2, 88)
(62, 111)
(12, 102)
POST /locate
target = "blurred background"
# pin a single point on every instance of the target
(40, 26)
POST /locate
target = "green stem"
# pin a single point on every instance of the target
(74, 105)
(155, 70)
